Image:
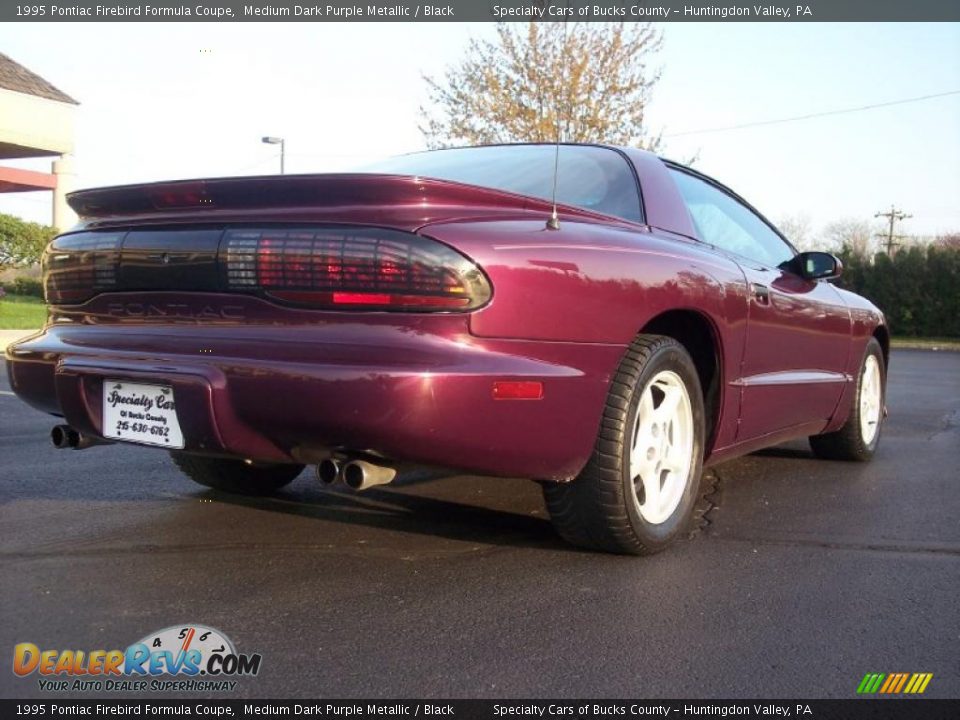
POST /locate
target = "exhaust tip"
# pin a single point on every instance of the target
(57, 436)
(328, 471)
(64, 436)
(353, 475)
(361, 475)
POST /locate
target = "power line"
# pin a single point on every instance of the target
(861, 108)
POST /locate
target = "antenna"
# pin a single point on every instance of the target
(553, 222)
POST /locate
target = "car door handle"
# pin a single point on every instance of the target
(761, 293)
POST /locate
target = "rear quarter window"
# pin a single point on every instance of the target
(594, 178)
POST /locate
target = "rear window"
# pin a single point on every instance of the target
(594, 178)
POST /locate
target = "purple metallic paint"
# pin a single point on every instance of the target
(253, 379)
(416, 389)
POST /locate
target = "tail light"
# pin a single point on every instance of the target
(77, 267)
(365, 268)
(361, 268)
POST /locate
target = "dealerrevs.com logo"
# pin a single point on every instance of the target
(176, 659)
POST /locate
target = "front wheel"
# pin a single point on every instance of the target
(858, 438)
(638, 490)
(235, 476)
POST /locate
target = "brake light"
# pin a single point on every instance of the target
(353, 268)
(76, 267)
(180, 195)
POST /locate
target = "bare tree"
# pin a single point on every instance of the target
(587, 82)
(797, 229)
(853, 234)
(950, 241)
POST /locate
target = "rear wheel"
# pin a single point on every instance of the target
(638, 490)
(235, 475)
(858, 438)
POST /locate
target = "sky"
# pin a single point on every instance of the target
(165, 101)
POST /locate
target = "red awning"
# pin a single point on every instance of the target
(17, 180)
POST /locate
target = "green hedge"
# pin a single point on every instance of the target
(918, 288)
(24, 286)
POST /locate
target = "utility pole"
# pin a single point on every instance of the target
(891, 240)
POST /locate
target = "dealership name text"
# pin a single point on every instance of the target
(784, 12)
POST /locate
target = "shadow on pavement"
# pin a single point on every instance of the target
(393, 509)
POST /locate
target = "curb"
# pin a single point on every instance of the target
(9, 336)
(934, 347)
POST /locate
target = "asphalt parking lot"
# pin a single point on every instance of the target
(802, 575)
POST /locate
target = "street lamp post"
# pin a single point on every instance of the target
(278, 141)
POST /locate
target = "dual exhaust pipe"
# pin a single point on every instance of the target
(65, 437)
(356, 474)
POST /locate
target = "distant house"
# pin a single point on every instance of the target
(36, 120)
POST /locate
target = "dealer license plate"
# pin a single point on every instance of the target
(139, 413)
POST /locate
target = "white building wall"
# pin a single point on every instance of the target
(35, 122)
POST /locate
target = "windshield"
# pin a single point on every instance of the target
(594, 178)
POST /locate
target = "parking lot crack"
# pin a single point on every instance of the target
(948, 423)
(704, 513)
(909, 548)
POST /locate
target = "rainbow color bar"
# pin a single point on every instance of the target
(894, 683)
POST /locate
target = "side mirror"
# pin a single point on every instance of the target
(818, 265)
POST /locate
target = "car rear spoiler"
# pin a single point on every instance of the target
(297, 191)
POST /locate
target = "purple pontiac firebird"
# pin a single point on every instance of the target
(440, 309)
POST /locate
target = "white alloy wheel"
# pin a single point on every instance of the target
(871, 397)
(661, 455)
(858, 437)
(637, 492)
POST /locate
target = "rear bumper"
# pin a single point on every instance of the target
(420, 393)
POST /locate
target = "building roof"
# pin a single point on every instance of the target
(14, 76)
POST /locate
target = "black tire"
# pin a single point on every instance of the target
(599, 510)
(847, 443)
(235, 476)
